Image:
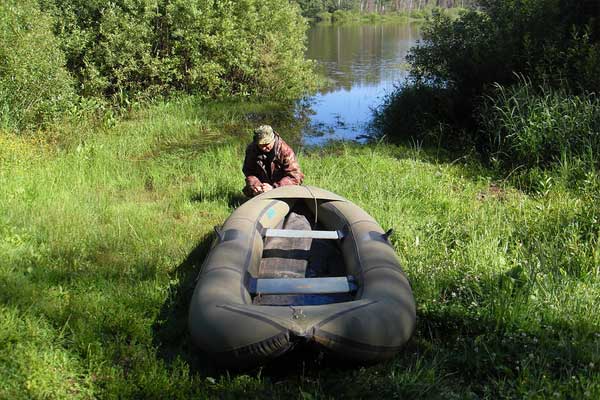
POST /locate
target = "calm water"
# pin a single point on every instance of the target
(363, 63)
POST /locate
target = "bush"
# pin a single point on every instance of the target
(535, 38)
(143, 48)
(341, 16)
(420, 14)
(541, 127)
(323, 16)
(460, 61)
(373, 17)
(35, 88)
(463, 54)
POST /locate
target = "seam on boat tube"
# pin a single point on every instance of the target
(396, 269)
(255, 315)
(340, 313)
(237, 271)
(354, 344)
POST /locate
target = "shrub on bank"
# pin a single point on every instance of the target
(122, 49)
(420, 13)
(35, 87)
(537, 39)
(341, 16)
(373, 17)
(460, 60)
(323, 16)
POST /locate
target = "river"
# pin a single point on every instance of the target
(362, 63)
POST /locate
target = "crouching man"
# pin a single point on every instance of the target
(270, 162)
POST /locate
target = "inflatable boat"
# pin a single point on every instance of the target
(300, 264)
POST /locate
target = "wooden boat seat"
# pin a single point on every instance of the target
(341, 284)
(293, 233)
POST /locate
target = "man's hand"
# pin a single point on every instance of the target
(256, 190)
(263, 187)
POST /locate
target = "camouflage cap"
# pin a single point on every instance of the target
(264, 134)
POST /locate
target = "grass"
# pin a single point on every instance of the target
(101, 237)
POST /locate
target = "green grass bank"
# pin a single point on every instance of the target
(349, 16)
(101, 237)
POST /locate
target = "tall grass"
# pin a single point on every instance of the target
(539, 126)
(101, 238)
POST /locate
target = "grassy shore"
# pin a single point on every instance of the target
(349, 17)
(101, 237)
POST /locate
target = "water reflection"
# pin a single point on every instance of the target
(362, 62)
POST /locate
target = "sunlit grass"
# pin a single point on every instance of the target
(101, 238)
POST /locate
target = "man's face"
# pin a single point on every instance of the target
(265, 148)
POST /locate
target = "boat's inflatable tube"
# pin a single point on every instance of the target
(373, 326)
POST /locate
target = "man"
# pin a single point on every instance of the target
(270, 162)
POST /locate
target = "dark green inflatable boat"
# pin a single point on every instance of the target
(299, 264)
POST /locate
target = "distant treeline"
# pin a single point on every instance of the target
(519, 80)
(62, 56)
(312, 8)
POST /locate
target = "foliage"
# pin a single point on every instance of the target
(548, 42)
(341, 16)
(35, 87)
(534, 38)
(479, 48)
(141, 48)
(323, 16)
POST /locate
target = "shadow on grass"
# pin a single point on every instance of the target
(234, 199)
(171, 335)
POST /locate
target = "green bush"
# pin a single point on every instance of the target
(323, 16)
(142, 48)
(419, 14)
(373, 17)
(460, 60)
(341, 16)
(35, 88)
(536, 38)
(539, 127)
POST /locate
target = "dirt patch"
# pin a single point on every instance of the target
(493, 192)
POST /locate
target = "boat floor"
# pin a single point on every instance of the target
(291, 258)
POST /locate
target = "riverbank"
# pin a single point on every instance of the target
(101, 238)
(400, 17)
